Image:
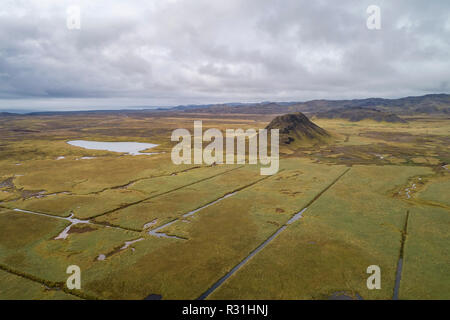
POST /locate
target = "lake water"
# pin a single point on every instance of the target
(132, 148)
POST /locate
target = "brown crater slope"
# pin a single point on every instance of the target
(296, 130)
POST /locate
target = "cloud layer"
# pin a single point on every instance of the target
(160, 52)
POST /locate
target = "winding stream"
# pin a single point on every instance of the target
(73, 221)
(155, 233)
(129, 243)
(64, 234)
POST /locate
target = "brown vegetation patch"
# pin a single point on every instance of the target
(81, 229)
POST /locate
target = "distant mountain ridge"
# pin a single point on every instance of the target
(426, 104)
(7, 114)
(360, 113)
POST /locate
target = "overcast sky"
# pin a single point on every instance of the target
(160, 53)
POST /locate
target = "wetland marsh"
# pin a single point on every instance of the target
(139, 226)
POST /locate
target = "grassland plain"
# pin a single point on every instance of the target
(355, 224)
(426, 271)
(6, 195)
(174, 268)
(116, 196)
(37, 255)
(87, 176)
(437, 191)
(419, 141)
(356, 221)
(218, 237)
(14, 287)
(83, 206)
(195, 193)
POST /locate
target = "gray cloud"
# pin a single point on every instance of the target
(164, 52)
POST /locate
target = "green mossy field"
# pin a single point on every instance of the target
(375, 192)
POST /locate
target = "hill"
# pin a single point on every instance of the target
(296, 129)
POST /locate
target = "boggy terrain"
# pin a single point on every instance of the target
(373, 193)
